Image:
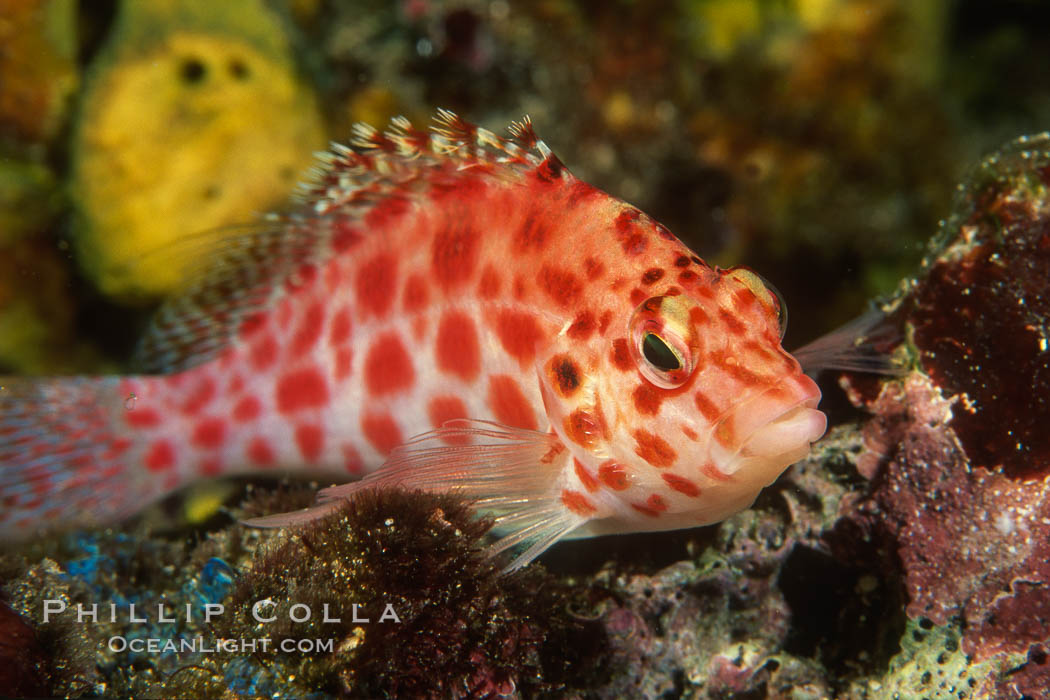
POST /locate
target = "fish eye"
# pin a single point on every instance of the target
(662, 341)
(765, 292)
(659, 354)
(781, 308)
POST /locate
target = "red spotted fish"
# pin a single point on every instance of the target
(447, 311)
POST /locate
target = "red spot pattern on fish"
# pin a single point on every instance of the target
(442, 409)
(333, 277)
(585, 477)
(345, 236)
(577, 503)
(652, 276)
(713, 472)
(211, 466)
(654, 449)
(583, 326)
(142, 418)
(620, 355)
(681, 485)
(733, 324)
(593, 268)
(653, 506)
(263, 353)
(531, 235)
(209, 433)
(455, 254)
(308, 331)
(339, 333)
(458, 352)
(301, 389)
(509, 404)
(310, 440)
(458, 307)
(416, 294)
(199, 397)
(489, 286)
(564, 375)
(116, 448)
(259, 451)
(388, 368)
(613, 475)
(352, 461)
(160, 457)
(743, 300)
(375, 285)
(583, 428)
(344, 362)
(252, 325)
(647, 400)
(519, 333)
(560, 285)
(381, 431)
(386, 213)
(707, 407)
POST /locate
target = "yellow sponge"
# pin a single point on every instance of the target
(193, 117)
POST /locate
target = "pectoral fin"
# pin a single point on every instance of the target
(512, 473)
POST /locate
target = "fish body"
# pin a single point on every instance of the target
(448, 310)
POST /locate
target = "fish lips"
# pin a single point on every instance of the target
(790, 433)
(781, 430)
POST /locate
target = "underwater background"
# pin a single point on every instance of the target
(851, 150)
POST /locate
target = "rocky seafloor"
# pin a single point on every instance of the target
(907, 557)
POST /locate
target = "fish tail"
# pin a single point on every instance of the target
(865, 344)
(66, 457)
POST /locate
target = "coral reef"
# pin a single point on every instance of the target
(981, 314)
(958, 454)
(930, 664)
(396, 592)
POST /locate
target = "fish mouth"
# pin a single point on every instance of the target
(791, 433)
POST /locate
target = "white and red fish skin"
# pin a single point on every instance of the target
(454, 275)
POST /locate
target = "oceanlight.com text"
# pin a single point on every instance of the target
(200, 645)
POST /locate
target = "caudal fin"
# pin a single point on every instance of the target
(64, 460)
(864, 344)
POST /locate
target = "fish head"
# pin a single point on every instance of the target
(689, 406)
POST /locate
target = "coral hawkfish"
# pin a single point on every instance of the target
(447, 311)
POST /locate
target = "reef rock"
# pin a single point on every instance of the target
(958, 450)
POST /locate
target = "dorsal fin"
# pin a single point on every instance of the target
(242, 273)
(250, 267)
(378, 163)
